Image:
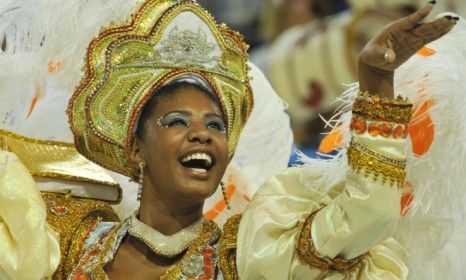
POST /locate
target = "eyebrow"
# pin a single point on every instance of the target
(213, 115)
(186, 112)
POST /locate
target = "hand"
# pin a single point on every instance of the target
(394, 45)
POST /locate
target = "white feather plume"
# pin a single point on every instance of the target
(41, 65)
(434, 230)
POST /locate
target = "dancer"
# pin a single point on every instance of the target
(163, 100)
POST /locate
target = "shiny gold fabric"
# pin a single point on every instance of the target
(57, 160)
(126, 63)
(29, 247)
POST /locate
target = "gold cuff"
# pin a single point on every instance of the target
(307, 253)
(374, 108)
(363, 159)
(378, 128)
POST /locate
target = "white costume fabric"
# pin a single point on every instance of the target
(29, 247)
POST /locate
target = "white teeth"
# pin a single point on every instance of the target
(199, 156)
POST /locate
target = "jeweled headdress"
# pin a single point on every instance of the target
(126, 64)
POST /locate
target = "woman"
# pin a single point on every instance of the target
(178, 147)
(177, 177)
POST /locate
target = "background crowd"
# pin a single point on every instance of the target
(308, 51)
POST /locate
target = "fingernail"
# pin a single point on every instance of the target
(433, 2)
(448, 17)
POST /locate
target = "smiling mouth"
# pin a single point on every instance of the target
(198, 162)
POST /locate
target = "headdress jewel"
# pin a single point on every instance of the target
(126, 64)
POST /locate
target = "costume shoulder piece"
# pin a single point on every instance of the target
(57, 167)
(72, 218)
(126, 64)
(227, 249)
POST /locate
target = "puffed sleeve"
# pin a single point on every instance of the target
(291, 231)
(29, 247)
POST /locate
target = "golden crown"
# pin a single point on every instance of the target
(126, 64)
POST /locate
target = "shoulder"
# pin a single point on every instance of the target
(74, 219)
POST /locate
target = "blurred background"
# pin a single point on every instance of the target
(308, 50)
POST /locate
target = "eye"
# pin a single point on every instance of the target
(178, 121)
(174, 120)
(216, 124)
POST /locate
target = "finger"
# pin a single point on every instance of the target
(414, 19)
(441, 33)
(432, 30)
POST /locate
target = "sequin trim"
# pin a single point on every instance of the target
(104, 133)
(92, 261)
(365, 161)
(307, 253)
(209, 235)
(227, 249)
(72, 225)
(374, 108)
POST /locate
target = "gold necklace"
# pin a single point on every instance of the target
(163, 245)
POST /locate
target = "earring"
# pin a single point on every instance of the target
(141, 179)
(225, 198)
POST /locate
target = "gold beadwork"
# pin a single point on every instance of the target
(209, 235)
(225, 197)
(374, 108)
(360, 147)
(370, 163)
(163, 245)
(308, 254)
(69, 224)
(227, 248)
(90, 261)
(125, 64)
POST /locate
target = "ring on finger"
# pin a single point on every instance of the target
(386, 57)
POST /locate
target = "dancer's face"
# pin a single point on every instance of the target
(184, 145)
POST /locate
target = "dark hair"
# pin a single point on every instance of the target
(166, 92)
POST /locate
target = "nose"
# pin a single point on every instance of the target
(200, 134)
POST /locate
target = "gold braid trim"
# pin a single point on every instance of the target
(80, 235)
(374, 108)
(362, 159)
(307, 253)
(227, 248)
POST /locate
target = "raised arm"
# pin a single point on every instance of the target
(367, 211)
(294, 230)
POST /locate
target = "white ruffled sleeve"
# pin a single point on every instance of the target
(290, 231)
(29, 247)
